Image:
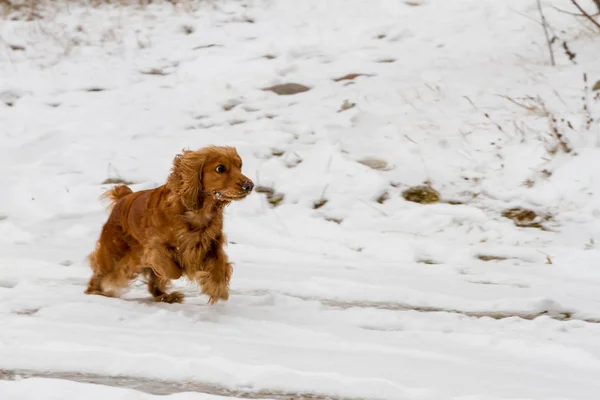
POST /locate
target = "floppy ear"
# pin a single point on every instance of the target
(186, 177)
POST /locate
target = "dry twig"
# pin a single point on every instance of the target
(586, 14)
(545, 26)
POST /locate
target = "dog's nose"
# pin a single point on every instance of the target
(248, 186)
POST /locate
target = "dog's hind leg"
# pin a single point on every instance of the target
(111, 272)
(96, 284)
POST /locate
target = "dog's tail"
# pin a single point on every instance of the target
(116, 193)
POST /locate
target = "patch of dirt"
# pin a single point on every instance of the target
(525, 218)
(386, 60)
(349, 77)
(596, 86)
(288, 89)
(453, 202)
(529, 183)
(422, 194)
(155, 71)
(27, 312)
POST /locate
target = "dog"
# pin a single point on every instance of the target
(173, 230)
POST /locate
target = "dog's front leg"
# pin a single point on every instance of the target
(215, 275)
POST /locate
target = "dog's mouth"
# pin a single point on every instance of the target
(224, 196)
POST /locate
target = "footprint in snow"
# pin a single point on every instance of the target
(8, 284)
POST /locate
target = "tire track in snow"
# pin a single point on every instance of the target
(160, 387)
(556, 314)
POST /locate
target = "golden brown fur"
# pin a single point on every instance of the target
(172, 231)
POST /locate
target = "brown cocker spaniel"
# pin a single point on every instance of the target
(173, 230)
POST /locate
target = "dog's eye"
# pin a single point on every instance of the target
(220, 168)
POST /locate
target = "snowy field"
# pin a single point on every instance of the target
(342, 289)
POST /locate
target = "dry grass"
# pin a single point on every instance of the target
(155, 71)
(30, 10)
(383, 197)
(319, 203)
(273, 197)
(346, 105)
(428, 262)
(557, 140)
(349, 77)
(525, 218)
(486, 257)
(423, 194)
(117, 181)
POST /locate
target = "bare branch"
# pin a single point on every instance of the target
(545, 26)
(576, 14)
(588, 16)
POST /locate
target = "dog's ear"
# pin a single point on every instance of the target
(186, 177)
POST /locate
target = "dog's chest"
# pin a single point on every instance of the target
(197, 238)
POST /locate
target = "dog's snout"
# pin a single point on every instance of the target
(248, 186)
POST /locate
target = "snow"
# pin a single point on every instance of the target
(353, 299)
(63, 389)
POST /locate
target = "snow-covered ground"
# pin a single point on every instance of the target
(366, 296)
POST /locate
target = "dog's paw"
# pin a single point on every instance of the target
(216, 288)
(98, 292)
(173, 297)
(217, 293)
(212, 300)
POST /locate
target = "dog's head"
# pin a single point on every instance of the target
(211, 171)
